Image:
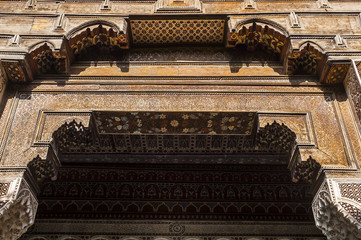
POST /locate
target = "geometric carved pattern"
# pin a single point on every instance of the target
(353, 87)
(4, 187)
(152, 137)
(14, 71)
(258, 37)
(207, 192)
(47, 61)
(167, 237)
(337, 216)
(210, 31)
(354, 211)
(351, 191)
(305, 62)
(98, 43)
(337, 73)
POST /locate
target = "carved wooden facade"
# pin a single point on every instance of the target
(180, 120)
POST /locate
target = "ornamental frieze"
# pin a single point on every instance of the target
(174, 132)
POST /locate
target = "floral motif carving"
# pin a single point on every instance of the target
(336, 217)
(174, 122)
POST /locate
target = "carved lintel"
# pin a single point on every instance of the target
(42, 169)
(337, 209)
(18, 206)
(303, 167)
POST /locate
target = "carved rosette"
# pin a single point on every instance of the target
(18, 206)
(337, 209)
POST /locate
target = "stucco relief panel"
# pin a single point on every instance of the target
(48, 122)
(328, 135)
(298, 123)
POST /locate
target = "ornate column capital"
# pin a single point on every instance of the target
(337, 208)
(18, 206)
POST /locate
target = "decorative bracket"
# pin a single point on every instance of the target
(106, 5)
(294, 20)
(30, 4)
(303, 167)
(337, 209)
(15, 41)
(323, 4)
(42, 169)
(249, 4)
(60, 22)
(169, 6)
(18, 206)
(339, 41)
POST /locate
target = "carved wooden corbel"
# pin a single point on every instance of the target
(42, 169)
(275, 137)
(337, 209)
(303, 167)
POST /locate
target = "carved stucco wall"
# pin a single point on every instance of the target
(315, 114)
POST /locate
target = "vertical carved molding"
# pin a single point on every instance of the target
(337, 209)
(18, 206)
(353, 87)
(3, 83)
